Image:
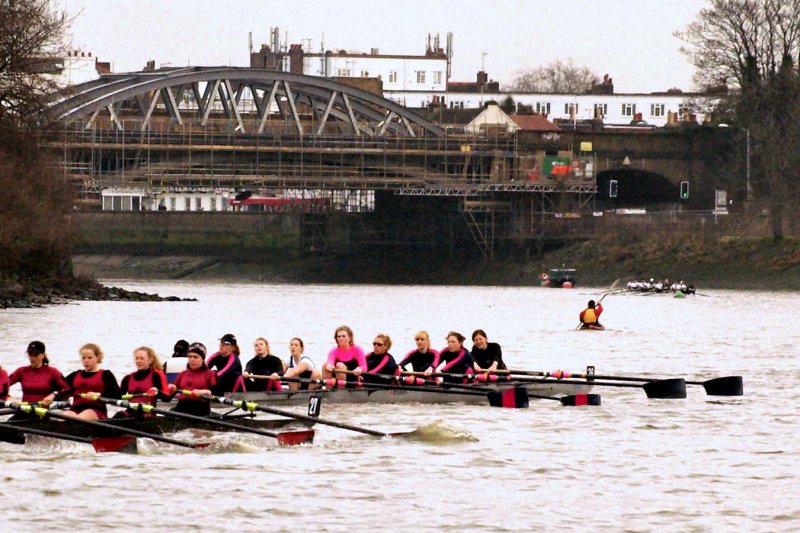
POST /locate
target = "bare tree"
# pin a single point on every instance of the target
(32, 38)
(36, 199)
(754, 45)
(557, 77)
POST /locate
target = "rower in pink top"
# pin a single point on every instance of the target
(346, 356)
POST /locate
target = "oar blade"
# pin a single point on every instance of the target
(673, 388)
(293, 438)
(510, 398)
(580, 399)
(123, 444)
(725, 386)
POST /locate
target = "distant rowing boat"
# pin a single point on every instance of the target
(401, 395)
(157, 426)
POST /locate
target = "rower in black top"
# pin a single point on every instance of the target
(380, 361)
(263, 364)
(487, 356)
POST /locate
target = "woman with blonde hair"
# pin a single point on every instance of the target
(424, 358)
(91, 380)
(346, 356)
(148, 383)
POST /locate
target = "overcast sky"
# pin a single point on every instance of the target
(631, 40)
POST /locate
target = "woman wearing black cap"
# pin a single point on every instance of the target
(40, 382)
(227, 366)
(198, 379)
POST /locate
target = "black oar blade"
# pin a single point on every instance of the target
(580, 399)
(511, 398)
(673, 388)
(293, 438)
(725, 386)
(122, 444)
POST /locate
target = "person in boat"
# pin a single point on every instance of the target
(455, 359)
(380, 361)
(196, 378)
(263, 364)
(92, 380)
(487, 356)
(346, 356)
(181, 349)
(590, 317)
(300, 366)
(147, 384)
(424, 358)
(3, 384)
(227, 365)
(40, 382)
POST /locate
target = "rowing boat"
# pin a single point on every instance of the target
(158, 426)
(399, 395)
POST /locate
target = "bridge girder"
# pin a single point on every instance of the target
(222, 90)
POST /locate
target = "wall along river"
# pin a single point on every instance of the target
(703, 463)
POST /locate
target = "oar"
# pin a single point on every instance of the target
(662, 389)
(609, 291)
(253, 406)
(568, 400)
(41, 412)
(722, 386)
(286, 438)
(100, 444)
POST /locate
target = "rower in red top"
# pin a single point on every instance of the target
(147, 384)
(40, 382)
(3, 384)
(590, 316)
(91, 380)
(346, 356)
(196, 378)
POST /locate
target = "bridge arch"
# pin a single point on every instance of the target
(245, 97)
(636, 187)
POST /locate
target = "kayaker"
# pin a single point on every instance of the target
(454, 358)
(196, 378)
(300, 366)
(424, 358)
(92, 380)
(487, 356)
(40, 382)
(227, 365)
(346, 356)
(263, 364)
(380, 361)
(590, 316)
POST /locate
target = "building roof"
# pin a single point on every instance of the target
(534, 123)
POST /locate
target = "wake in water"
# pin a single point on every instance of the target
(437, 432)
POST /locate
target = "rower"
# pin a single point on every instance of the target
(196, 378)
(263, 364)
(590, 316)
(227, 365)
(487, 356)
(3, 384)
(455, 359)
(424, 358)
(147, 384)
(91, 380)
(380, 361)
(346, 356)
(40, 382)
(299, 366)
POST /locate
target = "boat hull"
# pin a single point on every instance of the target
(398, 395)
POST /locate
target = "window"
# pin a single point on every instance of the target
(343, 72)
(456, 105)
(600, 110)
(187, 204)
(365, 74)
(420, 76)
(656, 110)
(437, 77)
(628, 110)
(543, 108)
(570, 108)
(198, 204)
(173, 203)
(136, 203)
(212, 204)
(116, 203)
(392, 76)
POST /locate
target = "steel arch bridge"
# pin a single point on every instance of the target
(245, 97)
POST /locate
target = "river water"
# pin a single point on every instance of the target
(632, 464)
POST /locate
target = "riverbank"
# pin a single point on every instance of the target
(725, 263)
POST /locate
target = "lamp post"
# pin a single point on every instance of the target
(746, 131)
